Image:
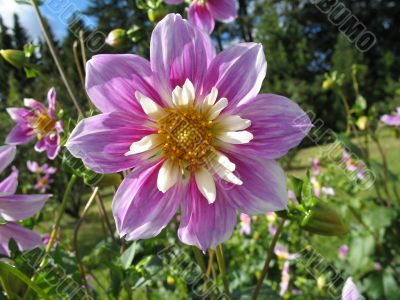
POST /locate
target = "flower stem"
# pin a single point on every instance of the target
(103, 211)
(56, 57)
(221, 265)
(268, 260)
(75, 241)
(199, 259)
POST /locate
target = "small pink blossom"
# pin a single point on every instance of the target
(283, 254)
(37, 121)
(350, 291)
(392, 120)
(43, 183)
(343, 252)
(328, 190)
(315, 166)
(34, 167)
(245, 224)
(203, 13)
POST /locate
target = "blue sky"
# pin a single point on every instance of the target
(57, 15)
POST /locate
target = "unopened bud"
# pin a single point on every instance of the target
(156, 15)
(15, 57)
(323, 219)
(117, 38)
(362, 122)
(327, 84)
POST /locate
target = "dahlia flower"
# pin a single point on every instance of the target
(195, 130)
(14, 207)
(39, 122)
(203, 13)
(393, 120)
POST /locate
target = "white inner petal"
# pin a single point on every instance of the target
(218, 108)
(233, 123)
(183, 96)
(188, 93)
(228, 176)
(209, 100)
(168, 175)
(151, 108)
(146, 143)
(223, 161)
(236, 137)
(205, 184)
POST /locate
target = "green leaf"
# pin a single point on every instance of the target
(392, 291)
(297, 185)
(379, 217)
(361, 249)
(6, 269)
(128, 256)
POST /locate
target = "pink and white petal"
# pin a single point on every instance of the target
(223, 10)
(237, 73)
(33, 166)
(101, 141)
(350, 291)
(20, 207)
(200, 16)
(25, 238)
(263, 189)
(113, 79)
(277, 124)
(140, 210)
(35, 105)
(40, 145)
(7, 155)
(205, 225)
(179, 51)
(9, 184)
(20, 134)
(173, 2)
(53, 146)
(19, 114)
(391, 120)
(51, 98)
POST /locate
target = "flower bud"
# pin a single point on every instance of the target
(327, 84)
(15, 57)
(117, 38)
(323, 219)
(156, 15)
(362, 122)
(170, 280)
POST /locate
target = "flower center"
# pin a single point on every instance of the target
(187, 136)
(43, 124)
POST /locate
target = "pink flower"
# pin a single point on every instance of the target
(328, 190)
(283, 254)
(354, 166)
(285, 279)
(197, 133)
(245, 224)
(343, 252)
(315, 166)
(203, 13)
(37, 121)
(14, 207)
(350, 291)
(43, 183)
(34, 167)
(393, 120)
